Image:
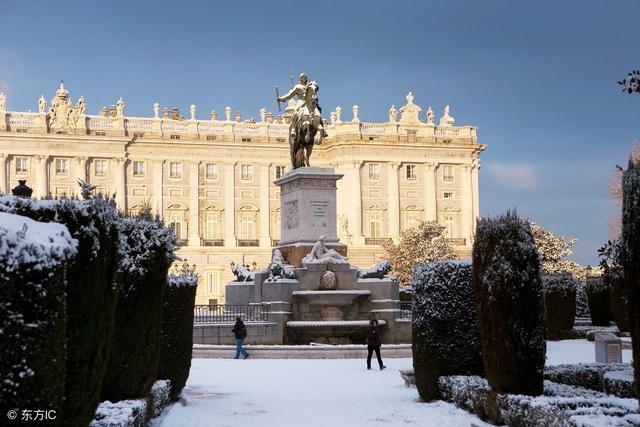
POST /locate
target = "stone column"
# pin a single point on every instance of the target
(393, 194)
(42, 178)
(4, 185)
(194, 204)
(121, 183)
(229, 205)
(265, 239)
(430, 200)
(467, 203)
(476, 194)
(157, 195)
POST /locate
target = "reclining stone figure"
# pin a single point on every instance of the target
(378, 271)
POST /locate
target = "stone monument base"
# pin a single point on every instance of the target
(294, 252)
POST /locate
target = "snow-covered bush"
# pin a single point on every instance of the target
(147, 251)
(585, 375)
(91, 293)
(159, 396)
(508, 290)
(619, 383)
(560, 303)
(445, 325)
(599, 301)
(561, 405)
(126, 413)
(176, 334)
(630, 254)
(33, 256)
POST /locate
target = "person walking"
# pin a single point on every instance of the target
(373, 343)
(240, 331)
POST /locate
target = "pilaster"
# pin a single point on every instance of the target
(467, 203)
(431, 203)
(265, 239)
(4, 185)
(229, 204)
(157, 196)
(393, 194)
(42, 178)
(194, 204)
(121, 183)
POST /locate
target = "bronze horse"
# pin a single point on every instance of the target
(307, 127)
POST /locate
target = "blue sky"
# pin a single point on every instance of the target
(537, 78)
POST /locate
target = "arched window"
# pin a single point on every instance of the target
(176, 218)
(212, 224)
(247, 218)
(449, 222)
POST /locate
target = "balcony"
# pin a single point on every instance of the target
(248, 242)
(376, 240)
(275, 242)
(457, 241)
(212, 242)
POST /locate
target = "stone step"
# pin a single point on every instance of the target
(352, 351)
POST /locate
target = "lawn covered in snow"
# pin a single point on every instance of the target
(328, 393)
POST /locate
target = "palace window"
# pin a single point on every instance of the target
(279, 171)
(211, 171)
(375, 223)
(213, 283)
(411, 136)
(138, 168)
(449, 226)
(447, 195)
(100, 167)
(21, 165)
(247, 172)
(374, 171)
(248, 226)
(175, 170)
(411, 219)
(411, 172)
(62, 166)
(212, 225)
(447, 173)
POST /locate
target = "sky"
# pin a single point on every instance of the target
(538, 79)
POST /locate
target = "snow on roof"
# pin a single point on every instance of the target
(38, 244)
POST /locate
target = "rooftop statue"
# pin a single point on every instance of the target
(306, 121)
(321, 255)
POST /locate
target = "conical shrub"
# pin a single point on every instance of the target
(510, 301)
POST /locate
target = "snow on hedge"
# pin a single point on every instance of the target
(129, 413)
(560, 283)
(182, 280)
(140, 239)
(39, 245)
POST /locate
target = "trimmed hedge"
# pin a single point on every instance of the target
(599, 301)
(147, 253)
(32, 312)
(614, 278)
(176, 335)
(446, 340)
(510, 302)
(91, 294)
(630, 256)
(560, 303)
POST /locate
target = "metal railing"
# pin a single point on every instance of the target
(458, 241)
(248, 242)
(212, 242)
(225, 313)
(375, 240)
(405, 310)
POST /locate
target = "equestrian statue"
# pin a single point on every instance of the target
(306, 122)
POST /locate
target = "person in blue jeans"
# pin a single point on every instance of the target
(240, 331)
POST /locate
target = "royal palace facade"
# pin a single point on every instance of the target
(212, 180)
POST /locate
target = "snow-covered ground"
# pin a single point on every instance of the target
(333, 393)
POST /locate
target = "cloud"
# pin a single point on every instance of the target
(519, 176)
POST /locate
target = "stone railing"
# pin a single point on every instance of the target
(226, 130)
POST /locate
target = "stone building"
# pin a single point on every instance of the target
(213, 179)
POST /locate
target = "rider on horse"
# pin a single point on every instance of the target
(300, 108)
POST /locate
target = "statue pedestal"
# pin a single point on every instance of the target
(308, 211)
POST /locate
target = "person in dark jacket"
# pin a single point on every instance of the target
(240, 331)
(373, 343)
